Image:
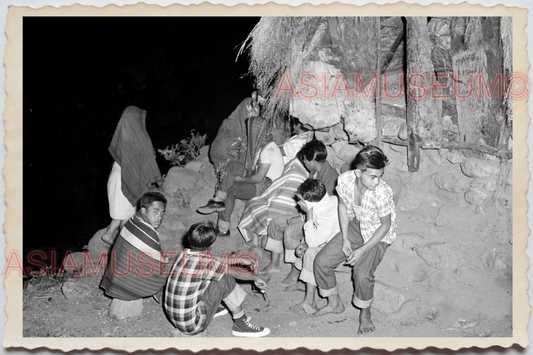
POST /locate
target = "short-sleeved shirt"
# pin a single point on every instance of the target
(271, 154)
(374, 204)
(191, 274)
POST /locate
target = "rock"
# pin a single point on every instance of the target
(452, 180)
(478, 196)
(440, 256)
(496, 260)
(399, 148)
(392, 125)
(293, 324)
(434, 156)
(443, 280)
(505, 199)
(481, 169)
(204, 154)
(332, 159)
(401, 164)
(325, 137)
(386, 299)
(98, 250)
(180, 179)
(453, 156)
(209, 177)
(344, 151)
(74, 290)
(413, 268)
(406, 243)
(120, 309)
(339, 132)
(359, 119)
(198, 166)
(316, 110)
(402, 134)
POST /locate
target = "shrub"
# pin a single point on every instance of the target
(186, 150)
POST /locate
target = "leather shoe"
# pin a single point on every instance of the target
(212, 206)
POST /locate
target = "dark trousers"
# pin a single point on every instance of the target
(331, 256)
(235, 190)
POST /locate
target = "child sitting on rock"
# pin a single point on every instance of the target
(198, 283)
(322, 224)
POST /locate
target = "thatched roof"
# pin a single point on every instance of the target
(282, 45)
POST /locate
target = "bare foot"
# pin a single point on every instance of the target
(303, 306)
(339, 308)
(270, 269)
(365, 323)
(298, 286)
(291, 278)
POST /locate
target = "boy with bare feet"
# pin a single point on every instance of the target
(322, 224)
(367, 217)
(285, 232)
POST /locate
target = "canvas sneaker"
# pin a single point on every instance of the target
(212, 206)
(221, 311)
(242, 327)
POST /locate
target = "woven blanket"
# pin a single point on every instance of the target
(277, 200)
(132, 149)
(135, 265)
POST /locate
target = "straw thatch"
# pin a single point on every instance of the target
(283, 45)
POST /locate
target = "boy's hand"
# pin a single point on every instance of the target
(300, 249)
(260, 283)
(302, 205)
(354, 257)
(346, 248)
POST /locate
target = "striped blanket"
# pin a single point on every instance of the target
(277, 200)
(135, 268)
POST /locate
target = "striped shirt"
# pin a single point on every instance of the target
(375, 204)
(191, 274)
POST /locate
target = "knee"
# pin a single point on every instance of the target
(276, 226)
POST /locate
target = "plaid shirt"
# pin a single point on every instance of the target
(375, 204)
(191, 274)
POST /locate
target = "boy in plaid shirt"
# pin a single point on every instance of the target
(198, 283)
(367, 217)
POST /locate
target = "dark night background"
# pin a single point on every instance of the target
(79, 74)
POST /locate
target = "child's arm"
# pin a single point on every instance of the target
(343, 223)
(379, 234)
(257, 177)
(248, 276)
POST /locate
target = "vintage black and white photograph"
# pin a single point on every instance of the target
(286, 177)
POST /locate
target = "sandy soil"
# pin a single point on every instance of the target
(476, 302)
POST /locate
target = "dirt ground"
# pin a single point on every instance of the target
(476, 303)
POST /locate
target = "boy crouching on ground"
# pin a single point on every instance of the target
(198, 283)
(322, 224)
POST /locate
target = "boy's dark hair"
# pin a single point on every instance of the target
(370, 157)
(202, 235)
(312, 190)
(314, 150)
(150, 197)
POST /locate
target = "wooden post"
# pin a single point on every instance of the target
(379, 116)
(423, 111)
